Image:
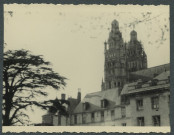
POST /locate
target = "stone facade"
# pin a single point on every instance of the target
(115, 59)
(131, 94)
(121, 58)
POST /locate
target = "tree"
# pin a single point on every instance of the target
(25, 77)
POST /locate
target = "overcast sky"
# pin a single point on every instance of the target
(72, 38)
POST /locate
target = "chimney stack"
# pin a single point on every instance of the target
(79, 95)
(62, 96)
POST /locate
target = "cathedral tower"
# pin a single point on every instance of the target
(136, 56)
(115, 59)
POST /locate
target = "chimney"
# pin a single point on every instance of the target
(79, 95)
(62, 96)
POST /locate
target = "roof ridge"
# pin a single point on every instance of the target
(101, 91)
(151, 68)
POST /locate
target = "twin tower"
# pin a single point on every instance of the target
(121, 58)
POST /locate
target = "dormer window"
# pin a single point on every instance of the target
(169, 79)
(154, 82)
(104, 103)
(139, 85)
(85, 106)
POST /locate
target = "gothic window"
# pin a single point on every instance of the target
(119, 84)
(134, 64)
(109, 85)
(113, 72)
(113, 63)
(115, 84)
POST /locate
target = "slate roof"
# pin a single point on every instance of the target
(149, 73)
(94, 100)
(161, 83)
(72, 104)
(163, 75)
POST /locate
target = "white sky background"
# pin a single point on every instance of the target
(72, 38)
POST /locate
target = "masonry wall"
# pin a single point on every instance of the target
(148, 112)
(115, 120)
(64, 121)
(47, 119)
(55, 120)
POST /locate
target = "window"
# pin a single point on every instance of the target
(168, 80)
(112, 114)
(154, 82)
(123, 124)
(155, 102)
(113, 63)
(123, 112)
(83, 118)
(102, 115)
(122, 64)
(107, 112)
(115, 84)
(109, 85)
(139, 85)
(156, 120)
(97, 113)
(140, 104)
(92, 117)
(140, 121)
(103, 103)
(59, 120)
(85, 106)
(113, 71)
(118, 84)
(75, 119)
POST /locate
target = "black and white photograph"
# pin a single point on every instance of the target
(86, 66)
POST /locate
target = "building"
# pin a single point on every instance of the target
(131, 94)
(58, 119)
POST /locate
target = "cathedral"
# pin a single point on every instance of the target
(122, 58)
(131, 93)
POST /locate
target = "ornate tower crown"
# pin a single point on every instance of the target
(115, 64)
(133, 35)
(115, 26)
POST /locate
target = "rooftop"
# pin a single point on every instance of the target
(94, 100)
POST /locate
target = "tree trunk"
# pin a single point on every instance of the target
(6, 117)
(8, 102)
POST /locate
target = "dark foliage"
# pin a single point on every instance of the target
(24, 77)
